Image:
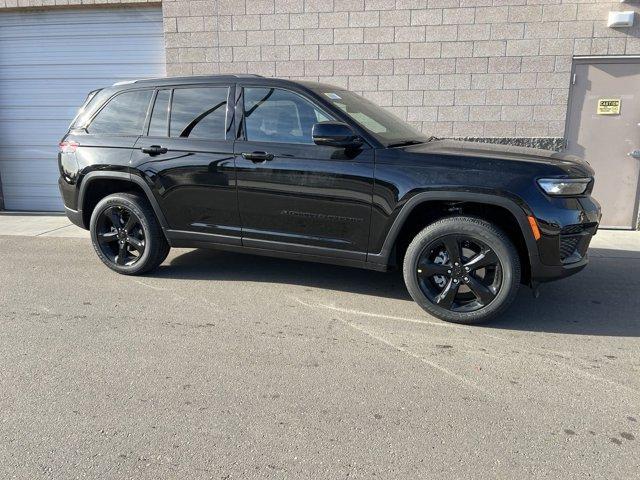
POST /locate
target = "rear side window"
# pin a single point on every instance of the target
(123, 115)
(199, 113)
(159, 123)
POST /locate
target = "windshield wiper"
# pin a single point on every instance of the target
(405, 143)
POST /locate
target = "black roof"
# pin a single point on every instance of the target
(185, 79)
(196, 79)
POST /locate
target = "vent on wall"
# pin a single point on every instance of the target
(620, 19)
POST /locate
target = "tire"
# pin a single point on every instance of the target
(141, 248)
(480, 287)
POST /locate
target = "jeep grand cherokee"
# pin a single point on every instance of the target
(314, 172)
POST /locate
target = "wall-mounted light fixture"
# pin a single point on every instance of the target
(621, 19)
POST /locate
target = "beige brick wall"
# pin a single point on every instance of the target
(481, 68)
(487, 68)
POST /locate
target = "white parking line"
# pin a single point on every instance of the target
(378, 315)
(403, 350)
(514, 342)
(432, 364)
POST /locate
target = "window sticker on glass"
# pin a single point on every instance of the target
(333, 96)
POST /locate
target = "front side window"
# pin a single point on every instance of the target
(276, 115)
(199, 113)
(384, 126)
(123, 115)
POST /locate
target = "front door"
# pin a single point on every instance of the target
(294, 195)
(189, 161)
(603, 127)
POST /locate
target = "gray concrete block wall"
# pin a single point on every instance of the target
(454, 68)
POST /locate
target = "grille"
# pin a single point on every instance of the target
(572, 229)
(568, 246)
(580, 228)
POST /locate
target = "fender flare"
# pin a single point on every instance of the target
(134, 179)
(519, 211)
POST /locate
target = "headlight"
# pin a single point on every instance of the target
(564, 186)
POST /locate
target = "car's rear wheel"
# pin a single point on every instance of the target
(126, 234)
(462, 270)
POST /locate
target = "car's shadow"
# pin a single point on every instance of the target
(204, 264)
(603, 299)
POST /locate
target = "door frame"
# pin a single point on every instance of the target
(595, 59)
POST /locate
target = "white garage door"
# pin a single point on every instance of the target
(49, 61)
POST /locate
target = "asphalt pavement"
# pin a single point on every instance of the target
(229, 366)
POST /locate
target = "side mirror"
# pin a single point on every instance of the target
(335, 134)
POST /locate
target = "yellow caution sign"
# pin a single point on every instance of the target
(609, 106)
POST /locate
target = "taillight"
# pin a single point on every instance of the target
(68, 147)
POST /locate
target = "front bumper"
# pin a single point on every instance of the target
(547, 273)
(567, 230)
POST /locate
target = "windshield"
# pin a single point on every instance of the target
(384, 126)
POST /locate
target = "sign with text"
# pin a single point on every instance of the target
(609, 106)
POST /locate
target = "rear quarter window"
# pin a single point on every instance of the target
(124, 114)
(92, 103)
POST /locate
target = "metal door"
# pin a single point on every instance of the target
(603, 127)
(49, 61)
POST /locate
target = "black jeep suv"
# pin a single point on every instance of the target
(313, 172)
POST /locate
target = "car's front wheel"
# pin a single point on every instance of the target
(126, 234)
(462, 269)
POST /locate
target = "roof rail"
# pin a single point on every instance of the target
(180, 77)
(124, 82)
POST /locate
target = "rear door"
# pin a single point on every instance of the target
(294, 195)
(187, 157)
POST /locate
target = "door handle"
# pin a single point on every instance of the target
(154, 150)
(257, 157)
(635, 153)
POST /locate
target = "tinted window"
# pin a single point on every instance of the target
(123, 115)
(199, 113)
(387, 128)
(158, 125)
(274, 115)
(91, 104)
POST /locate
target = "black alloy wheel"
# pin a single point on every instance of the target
(462, 269)
(459, 273)
(126, 234)
(120, 235)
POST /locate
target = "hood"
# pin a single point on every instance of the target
(573, 164)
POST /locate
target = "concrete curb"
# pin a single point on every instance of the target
(39, 225)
